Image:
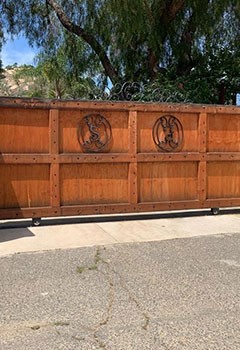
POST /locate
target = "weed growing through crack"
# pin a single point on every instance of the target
(80, 269)
(61, 323)
(97, 259)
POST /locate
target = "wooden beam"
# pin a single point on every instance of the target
(54, 151)
(133, 168)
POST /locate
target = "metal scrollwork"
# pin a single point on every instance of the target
(143, 92)
(94, 133)
(125, 91)
(168, 134)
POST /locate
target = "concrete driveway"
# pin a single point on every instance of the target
(64, 233)
(168, 283)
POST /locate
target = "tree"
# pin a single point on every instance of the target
(67, 75)
(56, 75)
(134, 40)
(1, 66)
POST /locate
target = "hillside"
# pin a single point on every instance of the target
(18, 81)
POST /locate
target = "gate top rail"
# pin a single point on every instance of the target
(37, 103)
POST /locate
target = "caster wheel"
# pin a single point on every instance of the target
(215, 211)
(36, 221)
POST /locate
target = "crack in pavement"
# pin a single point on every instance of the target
(108, 313)
(97, 260)
(130, 295)
(133, 299)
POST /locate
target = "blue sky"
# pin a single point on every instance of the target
(18, 51)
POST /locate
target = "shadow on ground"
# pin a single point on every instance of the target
(12, 234)
(111, 218)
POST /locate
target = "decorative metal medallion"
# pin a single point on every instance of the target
(168, 133)
(94, 133)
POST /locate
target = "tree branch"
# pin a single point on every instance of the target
(87, 37)
(185, 60)
(168, 14)
(172, 8)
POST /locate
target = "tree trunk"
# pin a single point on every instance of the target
(87, 37)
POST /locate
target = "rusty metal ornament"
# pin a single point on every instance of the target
(168, 134)
(94, 133)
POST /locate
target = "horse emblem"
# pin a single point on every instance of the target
(168, 134)
(94, 133)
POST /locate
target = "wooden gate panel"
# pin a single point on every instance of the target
(24, 131)
(69, 122)
(94, 183)
(147, 120)
(46, 171)
(168, 181)
(223, 180)
(223, 133)
(24, 186)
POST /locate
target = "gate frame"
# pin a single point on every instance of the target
(54, 159)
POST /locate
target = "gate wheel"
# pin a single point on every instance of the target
(36, 221)
(215, 211)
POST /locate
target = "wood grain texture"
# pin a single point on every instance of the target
(147, 120)
(223, 133)
(133, 168)
(69, 122)
(24, 186)
(46, 104)
(44, 171)
(54, 131)
(223, 180)
(24, 131)
(94, 183)
(167, 181)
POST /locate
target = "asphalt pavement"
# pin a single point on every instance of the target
(168, 282)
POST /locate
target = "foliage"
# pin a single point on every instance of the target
(20, 81)
(181, 50)
(53, 77)
(67, 75)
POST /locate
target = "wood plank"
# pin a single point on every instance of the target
(130, 208)
(23, 131)
(133, 168)
(222, 156)
(223, 202)
(54, 131)
(202, 181)
(132, 132)
(114, 105)
(116, 208)
(168, 181)
(223, 180)
(24, 185)
(223, 133)
(94, 183)
(55, 185)
(54, 150)
(95, 158)
(146, 123)
(72, 120)
(202, 130)
(16, 158)
(25, 213)
(202, 167)
(170, 157)
(133, 183)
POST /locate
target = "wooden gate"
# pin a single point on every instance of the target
(60, 158)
